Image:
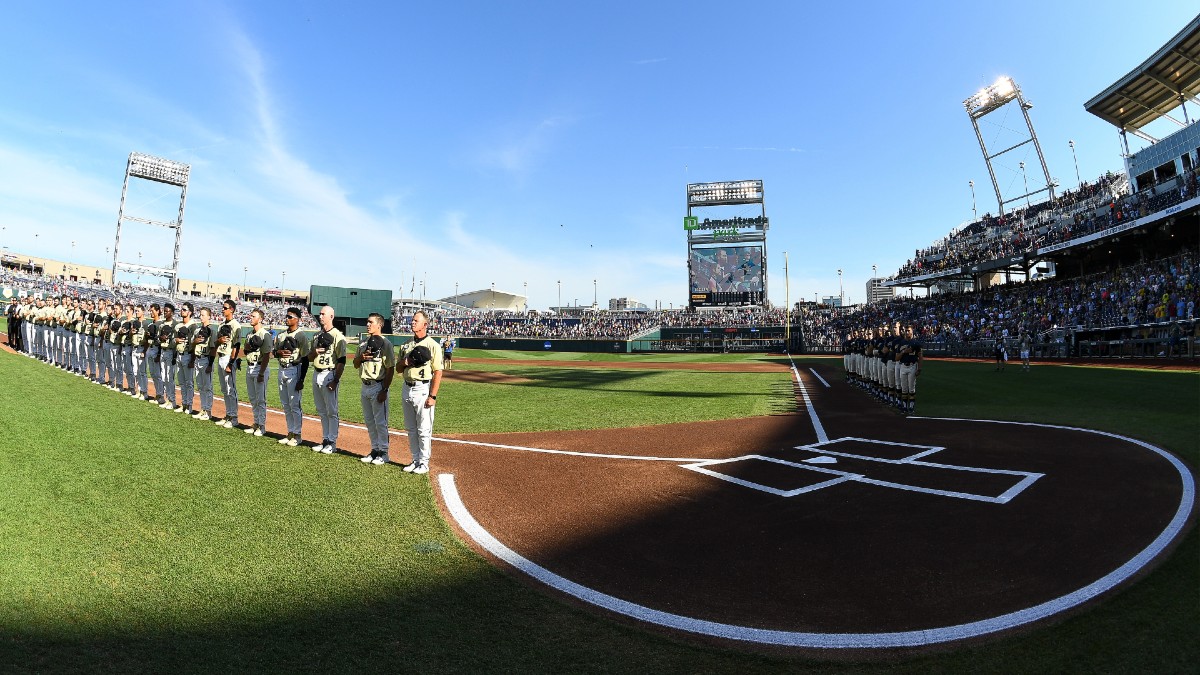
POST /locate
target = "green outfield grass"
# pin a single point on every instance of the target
(555, 399)
(133, 540)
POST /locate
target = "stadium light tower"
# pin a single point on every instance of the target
(974, 213)
(841, 291)
(990, 99)
(158, 170)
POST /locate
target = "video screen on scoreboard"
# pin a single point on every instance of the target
(726, 275)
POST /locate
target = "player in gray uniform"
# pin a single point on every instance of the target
(152, 354)
(166, 356)
(226, 348)
(377, 362)
(137, 352)
(258, 347)
(129, 331)
(185, 359)
(911, 353)
(112, 347)
(328, 357)
(202, 347)
(291, 352)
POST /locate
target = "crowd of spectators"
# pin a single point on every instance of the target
(595, 325)
(1091, 208)
(1155, 292)
(125, 293)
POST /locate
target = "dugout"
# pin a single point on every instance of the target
(352, 306)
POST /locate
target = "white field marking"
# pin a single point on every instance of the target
(812, 412)
(841, 476)
(818, 376)
(1027, 478)
(915, 638)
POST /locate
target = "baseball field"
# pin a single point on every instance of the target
(137, 540)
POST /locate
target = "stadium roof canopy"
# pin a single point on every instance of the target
(1153, 89)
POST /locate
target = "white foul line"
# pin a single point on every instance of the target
(915, 638)
(812, 412)
(818, 375)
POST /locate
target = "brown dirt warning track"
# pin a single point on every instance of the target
(842, 526)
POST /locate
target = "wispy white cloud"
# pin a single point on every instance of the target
(519, 149)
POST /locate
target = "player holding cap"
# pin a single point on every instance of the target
(291, 351)
(910, 367)
(258, 372)
(328, 357)
(202, 347)
(185, 358)
(166, 356)
(422, 370)
(152, 353)
(376, 359)
(226, 348)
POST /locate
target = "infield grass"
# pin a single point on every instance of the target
(132, 540)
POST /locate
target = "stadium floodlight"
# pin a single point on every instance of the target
(725, 193)
(158, 169)
(991, 99)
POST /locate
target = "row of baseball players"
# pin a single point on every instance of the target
(885, 362)
(122, 348)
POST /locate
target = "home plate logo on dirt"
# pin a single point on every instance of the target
(888, 464)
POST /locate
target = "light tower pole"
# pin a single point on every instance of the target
(1025, 177)
(1078, 180)
(841, 292)
(974, 213)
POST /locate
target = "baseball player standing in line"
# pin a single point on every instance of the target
(93, 333)
(59, 351)
(422, 371)
(26, 314)
(14, 323)
(226, 349)
(376, 359)
(202, 346)
(137, 357)
(76, 329)
(258, 372)
(291, 351)
(166, 356)
(329, 360)
(910, 368)
(129, 327)
(185, 359)
(152, 354)
(112, 347)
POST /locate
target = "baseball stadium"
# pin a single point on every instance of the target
(986, 466)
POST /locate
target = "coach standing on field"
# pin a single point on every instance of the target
(422, 371)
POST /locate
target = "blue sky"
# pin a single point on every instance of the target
(532, 142)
